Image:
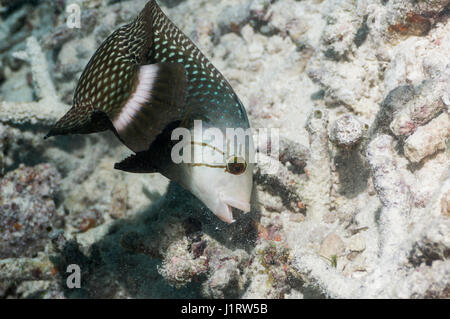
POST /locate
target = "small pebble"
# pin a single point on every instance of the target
(331, 245)
(428, 139)
(347, 131)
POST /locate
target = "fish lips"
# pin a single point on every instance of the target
(224, 209)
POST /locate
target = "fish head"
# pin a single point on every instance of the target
(222, 190)
(220, 175)
(220, 172)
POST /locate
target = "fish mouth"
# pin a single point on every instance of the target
(224, 209)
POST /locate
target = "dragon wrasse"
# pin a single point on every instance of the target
(146, 81)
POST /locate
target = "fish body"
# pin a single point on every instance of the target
(148, 79)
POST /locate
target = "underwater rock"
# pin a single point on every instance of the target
(232, 18)
(332, 245)
(339, 33)
(276, 178)
(319, 164)
(393, 103)
(357, 243)
(347, 131)
(119, 198)
(180, 266)
(428, 139)
(269, 271)
(48, 109)
(226, 267)
(407, 18)
(445, 204)
(28, 211)
(294, 153)
(23, 269)
(428, 250)
(414, 60)
(16, 88)
(389, 183)
(421, 106)
(197, 256)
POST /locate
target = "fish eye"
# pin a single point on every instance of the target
(236, 165)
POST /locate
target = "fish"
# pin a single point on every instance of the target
(148, 82)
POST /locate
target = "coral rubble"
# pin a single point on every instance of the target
(355, 205)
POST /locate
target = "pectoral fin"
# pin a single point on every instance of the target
(160, 90)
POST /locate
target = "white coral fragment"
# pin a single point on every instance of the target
(48, 109)
(428, 139)
(426, 102)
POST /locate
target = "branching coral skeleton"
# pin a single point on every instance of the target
(396, 221)
(48, 109)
